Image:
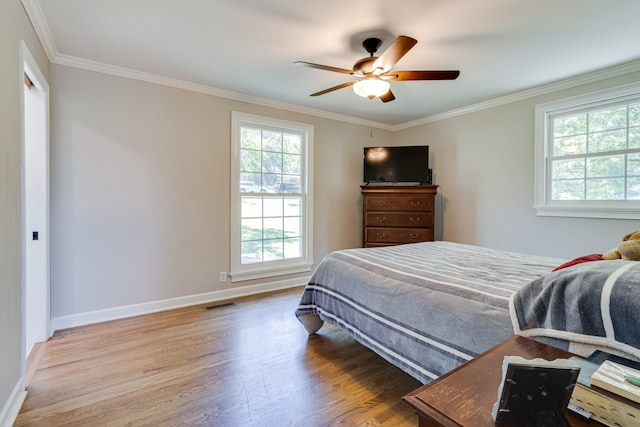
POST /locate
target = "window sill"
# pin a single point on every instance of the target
(588, 212)
(239, 276)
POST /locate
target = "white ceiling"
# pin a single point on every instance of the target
(246, 48)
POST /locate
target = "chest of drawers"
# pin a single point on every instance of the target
(393, 215)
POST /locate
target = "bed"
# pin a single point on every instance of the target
(429, 307)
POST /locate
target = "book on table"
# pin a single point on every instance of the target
(618, 379)
(608, 408)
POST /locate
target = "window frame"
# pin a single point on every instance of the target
(544, 113)
(241, 272)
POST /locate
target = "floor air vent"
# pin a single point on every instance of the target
(213, 307)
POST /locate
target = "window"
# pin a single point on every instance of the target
(588, 156)
(271, 215)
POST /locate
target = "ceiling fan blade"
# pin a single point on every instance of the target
(400, 46)
(324, 67)
(331, 89)
(421, 75)
(387, 96)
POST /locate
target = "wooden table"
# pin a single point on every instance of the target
(465, 396)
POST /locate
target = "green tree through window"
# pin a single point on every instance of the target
(596, 154)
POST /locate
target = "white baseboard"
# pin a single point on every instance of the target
(13, 404)
(81, 319)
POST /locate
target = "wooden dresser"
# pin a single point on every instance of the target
(394, 214)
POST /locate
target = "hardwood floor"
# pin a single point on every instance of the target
(247, 364)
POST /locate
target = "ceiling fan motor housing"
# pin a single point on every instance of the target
(364, 66)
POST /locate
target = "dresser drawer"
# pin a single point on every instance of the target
(417, 203)
(398, 235)
(397, 219)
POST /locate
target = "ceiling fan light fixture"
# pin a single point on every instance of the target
(371, 87)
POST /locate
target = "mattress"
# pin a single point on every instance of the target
(425, 307)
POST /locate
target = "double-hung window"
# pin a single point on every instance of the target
(588, 156)
(271, 203)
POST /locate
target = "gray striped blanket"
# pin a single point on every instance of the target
(425, 307)
(590, 305)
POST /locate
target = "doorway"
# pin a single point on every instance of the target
(35, 204)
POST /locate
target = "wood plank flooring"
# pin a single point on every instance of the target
(247, 364)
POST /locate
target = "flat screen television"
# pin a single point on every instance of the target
(404, 164)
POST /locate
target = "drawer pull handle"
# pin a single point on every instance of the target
(415, 236)
(383, 203)
(414, 220)
(381, 218)
(414, 203)
(381, 235)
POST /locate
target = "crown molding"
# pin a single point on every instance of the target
(39, 23)
(592, 77)
(610, 72)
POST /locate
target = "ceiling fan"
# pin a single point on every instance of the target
(374, 72)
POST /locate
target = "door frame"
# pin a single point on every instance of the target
(41, 306)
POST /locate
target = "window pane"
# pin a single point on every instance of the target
(576, 144)
(251, 229)
(291, 144)
(292, 227)
(634, 115)
(291, 164)
(251, 207)
(250, 182)
(273, 228)
(633, 164)
(250, 138)
(269, 181)
(275, 165)
(272, 207)
(293, 248)
(605, 189)
(610, 166)
(250, 161)
(613, 140)
(251, 252)
(615, 118)
(568, 190)
(292, 206)
(271, 162)
(272, 141)
(273, 250)
(568, 126)
(565, 169)
(634, 137)
(271, 233)
(633, 188)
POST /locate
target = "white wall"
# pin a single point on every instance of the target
(14, 26)
(483, 162)
(140, 189)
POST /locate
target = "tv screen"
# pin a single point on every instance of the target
(397, 164)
